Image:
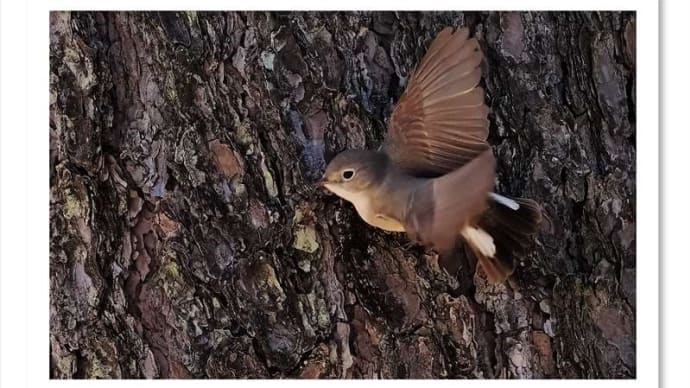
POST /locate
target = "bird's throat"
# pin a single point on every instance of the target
(367, 209)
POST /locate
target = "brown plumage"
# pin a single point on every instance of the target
(435, 172)
(440, 122)
(512, 231)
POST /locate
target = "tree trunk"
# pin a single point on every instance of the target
(187, 239)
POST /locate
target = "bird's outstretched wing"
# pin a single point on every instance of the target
(440, 122)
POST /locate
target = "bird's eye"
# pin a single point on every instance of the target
(348, 174)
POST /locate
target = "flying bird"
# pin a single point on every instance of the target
(433, 176)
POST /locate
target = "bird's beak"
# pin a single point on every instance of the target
(321, 184)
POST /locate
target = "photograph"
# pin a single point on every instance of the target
(342, 195)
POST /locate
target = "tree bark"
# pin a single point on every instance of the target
(187, 240)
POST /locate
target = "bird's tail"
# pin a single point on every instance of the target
(504, 233)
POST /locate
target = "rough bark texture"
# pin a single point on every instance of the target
(186, 240)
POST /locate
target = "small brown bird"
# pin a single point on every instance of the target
(434, 174)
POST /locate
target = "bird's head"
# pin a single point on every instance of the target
(352, 172)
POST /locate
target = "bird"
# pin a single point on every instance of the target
(433, 176)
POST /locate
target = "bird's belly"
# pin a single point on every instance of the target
(388, 224)
(365, 210)
(379, 221)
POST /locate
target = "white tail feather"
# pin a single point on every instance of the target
(480, 240)
(505, 201)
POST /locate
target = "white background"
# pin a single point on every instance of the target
(24, 175)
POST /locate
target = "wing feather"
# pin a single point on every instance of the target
(439, 209)
(440, 122)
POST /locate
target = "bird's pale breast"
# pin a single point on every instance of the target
(363, 205)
